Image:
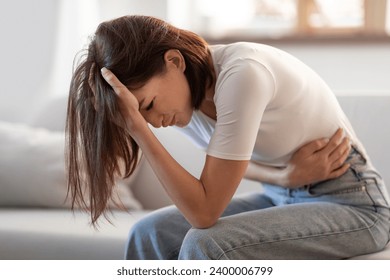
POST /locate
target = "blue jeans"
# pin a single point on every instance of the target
(333, 219)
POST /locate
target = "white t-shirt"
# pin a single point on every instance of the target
(268, 105)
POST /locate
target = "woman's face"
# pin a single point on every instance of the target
(165, 100)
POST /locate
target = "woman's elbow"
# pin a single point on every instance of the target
(203, 221)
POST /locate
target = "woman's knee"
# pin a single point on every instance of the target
(200, 244)
(150, 237)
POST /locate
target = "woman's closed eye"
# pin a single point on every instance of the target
(150, 106)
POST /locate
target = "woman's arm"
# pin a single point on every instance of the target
(202, 200)
(316, 161)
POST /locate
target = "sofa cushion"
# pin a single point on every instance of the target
(32, 169)
(59, 234)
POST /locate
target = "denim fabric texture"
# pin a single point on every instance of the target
(333, 219)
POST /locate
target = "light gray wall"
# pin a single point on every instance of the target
(347, 66)
(27, 31)
(28, 44)
(110, 9)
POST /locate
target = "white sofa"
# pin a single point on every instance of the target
(35, 223)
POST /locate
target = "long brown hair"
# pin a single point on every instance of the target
(98, 149)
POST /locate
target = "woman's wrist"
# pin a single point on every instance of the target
(283, 179)
(290, 176)
(268, 174)
(135, 124)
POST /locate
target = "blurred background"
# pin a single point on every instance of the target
(346, 41)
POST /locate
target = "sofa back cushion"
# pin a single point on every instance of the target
(32, 169)
(370, 117)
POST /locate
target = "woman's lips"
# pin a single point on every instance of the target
(171, 122)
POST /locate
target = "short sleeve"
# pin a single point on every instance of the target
(242, 94)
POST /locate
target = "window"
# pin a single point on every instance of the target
(281, 18)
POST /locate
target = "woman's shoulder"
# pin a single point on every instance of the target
(243, 61)
(245, 55)
(241, 50)
(239, 46)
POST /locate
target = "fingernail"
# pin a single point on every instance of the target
(104, 70)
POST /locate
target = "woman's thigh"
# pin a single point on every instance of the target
(318, 230)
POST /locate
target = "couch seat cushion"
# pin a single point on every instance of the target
(61, 234)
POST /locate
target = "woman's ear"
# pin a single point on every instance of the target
(174, 58)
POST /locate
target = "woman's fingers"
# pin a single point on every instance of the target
(340, 154)
(128, 99)
(340, 171)
(325, 145)
(336, 152)
(313, 146)
(113, 81)
(334, 142)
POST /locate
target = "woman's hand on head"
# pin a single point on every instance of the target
(319, 160)
(128, 103)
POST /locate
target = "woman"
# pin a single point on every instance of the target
(258, 112)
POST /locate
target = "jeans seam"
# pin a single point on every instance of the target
(300, 238)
